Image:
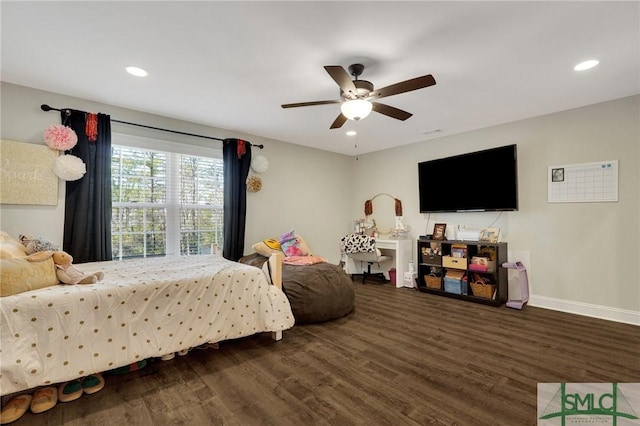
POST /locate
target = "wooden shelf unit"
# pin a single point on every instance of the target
(436, 258)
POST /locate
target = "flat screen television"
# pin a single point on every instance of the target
(477, 181)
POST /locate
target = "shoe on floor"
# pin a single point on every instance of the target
(15, 408)
(44, 399)
(129, 368)
(70, 391)
(208, 345)
(138, 365)
(93, 383)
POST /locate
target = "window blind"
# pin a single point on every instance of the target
(165, 202)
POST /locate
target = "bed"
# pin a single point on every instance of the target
(142, 308)
(317, 292)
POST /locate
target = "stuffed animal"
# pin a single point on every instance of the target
(69, 274)
(10, 248)
(37, 244)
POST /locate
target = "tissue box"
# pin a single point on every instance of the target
(468, 235)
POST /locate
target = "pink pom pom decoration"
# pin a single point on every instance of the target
(60, 137)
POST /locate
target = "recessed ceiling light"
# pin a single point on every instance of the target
(138, 72)
(351, 133)
(586, 65)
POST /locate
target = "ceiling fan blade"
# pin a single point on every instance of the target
(390, 111)
(404, 86)
(338, 122)
(302, 104)
(342, 78)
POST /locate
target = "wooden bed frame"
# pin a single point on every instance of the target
(275, 267)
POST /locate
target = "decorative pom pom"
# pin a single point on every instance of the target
(60, 137)
(254, 183)
(69, 167)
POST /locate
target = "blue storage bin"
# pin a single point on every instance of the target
(452, 285)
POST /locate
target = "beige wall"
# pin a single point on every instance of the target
(303, 189)
(583, 257)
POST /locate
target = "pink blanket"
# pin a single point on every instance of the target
(303, 260)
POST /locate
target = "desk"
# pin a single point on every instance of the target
(402, 253)
(400, 250)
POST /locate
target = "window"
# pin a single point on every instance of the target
(165, 203)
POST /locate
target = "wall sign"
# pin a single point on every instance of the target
(26, 175)
(583, 183)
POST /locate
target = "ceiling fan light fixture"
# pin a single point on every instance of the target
(355, 95)
(356, 109)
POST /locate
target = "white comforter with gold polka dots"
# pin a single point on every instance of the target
(143, 308)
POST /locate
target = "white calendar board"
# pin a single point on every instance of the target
(583, 183)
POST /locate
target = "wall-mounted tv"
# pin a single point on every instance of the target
(477, 181)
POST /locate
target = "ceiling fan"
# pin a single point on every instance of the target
(357, 97)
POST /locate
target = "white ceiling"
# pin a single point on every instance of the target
(232, 64)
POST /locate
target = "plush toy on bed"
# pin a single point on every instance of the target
(37, 244)
(10, 248)
(69, 274)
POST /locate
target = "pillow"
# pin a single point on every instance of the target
(293, 245)
(303, 246)
(10, 247)
(19, 275)
(287, 236)
(267, 247)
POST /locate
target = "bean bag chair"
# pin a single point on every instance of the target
(317, 293)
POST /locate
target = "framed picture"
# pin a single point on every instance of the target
(489, 235)
(438, 231)
(557, 175)
(27, 174)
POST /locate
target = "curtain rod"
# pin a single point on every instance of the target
(46, 107)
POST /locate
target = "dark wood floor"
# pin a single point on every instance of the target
(402, 358)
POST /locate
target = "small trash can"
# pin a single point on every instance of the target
(524, 285)
(392, 275)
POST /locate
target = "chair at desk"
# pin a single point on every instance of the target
(362, 248)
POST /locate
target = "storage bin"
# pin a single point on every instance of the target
(433, 281)
(452, 285)
(432, 259)
(482, 264)
(481, 289)
(478, 268)
(454, 262)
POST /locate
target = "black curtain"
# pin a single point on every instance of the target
(236, 155)
(87, 217)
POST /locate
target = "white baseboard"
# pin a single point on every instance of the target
(587, 309)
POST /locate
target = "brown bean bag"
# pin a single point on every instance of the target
(317, 293)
